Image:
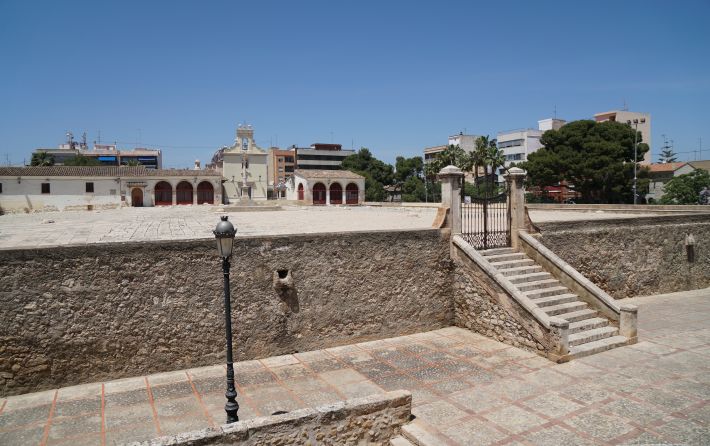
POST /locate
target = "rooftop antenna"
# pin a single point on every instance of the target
(554, 113)
(700, 146)
(626, 108)
(99, 137)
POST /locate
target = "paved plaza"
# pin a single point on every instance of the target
(196, 222)
(467, 390)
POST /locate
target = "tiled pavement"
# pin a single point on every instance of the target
(468, 389)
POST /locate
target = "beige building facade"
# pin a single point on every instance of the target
(326, 187)
(640, 121)
(245, 168)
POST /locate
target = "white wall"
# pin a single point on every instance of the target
(66, 193)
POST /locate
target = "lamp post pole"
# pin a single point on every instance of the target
(636, 132)
(225, 233)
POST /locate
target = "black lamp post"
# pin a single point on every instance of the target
(225, 232)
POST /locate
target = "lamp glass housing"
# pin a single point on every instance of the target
(225, 233)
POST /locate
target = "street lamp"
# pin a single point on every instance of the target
(224, 233)
(636, 131)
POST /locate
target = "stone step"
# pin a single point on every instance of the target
(577, 315)
(590, 348)
(400, 441)
(587, 324)
(512, 263)
(555, 310)
(507, 256)
(420, 435)
(557, 299)
(544, 292)
(496, 251)
(595, 334)
(538, 285)
(530, 277)
(517, 271)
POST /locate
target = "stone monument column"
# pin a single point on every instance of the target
(515, 178)
(451, 178)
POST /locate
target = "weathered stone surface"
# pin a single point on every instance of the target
(88, 313)
(476, 309)
(371, 420)
(635, 256)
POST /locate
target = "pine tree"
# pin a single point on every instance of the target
(667, 154)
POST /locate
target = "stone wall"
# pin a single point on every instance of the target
(104, 311)
(476, 307)
(372, 420)
(634, 256)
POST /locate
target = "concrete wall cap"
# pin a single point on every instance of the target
(630, 308)
(515, 171)
(450, 170)
(558, 322)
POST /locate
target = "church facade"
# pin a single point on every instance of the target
(244, 168)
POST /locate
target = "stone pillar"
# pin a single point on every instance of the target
(327, 194)
(628, 322)
(559, 329)
(451, 178)
(515, 178)
(174, 196)
(194, 195)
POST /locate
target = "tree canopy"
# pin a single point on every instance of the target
(81, 160)
(42, 159)
(377, 173)
(596, 159)
(685, 189)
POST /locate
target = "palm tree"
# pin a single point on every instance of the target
(496, 159)
(42, 159)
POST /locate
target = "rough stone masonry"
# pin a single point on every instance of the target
(104, 311)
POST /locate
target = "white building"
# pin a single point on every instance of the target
(245, 168)
(518, 144)
(640, 121)
(63, 188)
(326, 187)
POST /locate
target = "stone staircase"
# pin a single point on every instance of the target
(589, 332)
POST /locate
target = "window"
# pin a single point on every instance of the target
(90, 187)
(289, 159)
(45, 188)
(0, 188)
(112, 192)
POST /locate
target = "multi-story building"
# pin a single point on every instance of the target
(321, 156)
(106, 154)
(517, 144)
(245, 168)
(466, 142)
(640, 121)
(281, 165)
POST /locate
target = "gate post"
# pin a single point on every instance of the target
(450, 177)
(515, 177)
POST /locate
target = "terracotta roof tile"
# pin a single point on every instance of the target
(664, 167)
(333, 174)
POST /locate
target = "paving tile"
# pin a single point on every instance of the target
(431, 374)
(586, 392)
(172, 426)
(536, 362)
(24, 416)
(552, 405)
(467, 352)
(215, 407)
(173, 390)
(246, 366)
(644, 438)
(418, 348)
(516, 389)
(684, 432)
(599, 425)
(83, 392)
(514, 419)
(254, 377)
(134, 432)
(667, 400)
(372, 369)
(439, 413)
(359, 389)
(578, 369)
(167, 378)
(128, 398)
(267, 406)
(279, 361)
(177, 406)
(640, 413)
(74, 426)
(473, 432)
(27, 436)
(313, 356)
(118, 417)
(557, 436)
(29, 400)
(405, 361)
(124, 385)
(77, 407)
(449, 386)
(291, 371)
(477, 399)
(83, 440)
(325, 365)
(700, 415)
(652, 347)
(210, 384)
(211, 371)
(340, 377)
(353, 358)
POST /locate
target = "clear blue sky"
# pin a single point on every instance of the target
(392, 76)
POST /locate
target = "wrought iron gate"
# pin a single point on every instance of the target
(485, 220)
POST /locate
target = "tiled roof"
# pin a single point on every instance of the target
(330, 174)
(704, 164)
(101, 171)
(664, 167)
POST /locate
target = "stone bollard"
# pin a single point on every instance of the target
(628, 322)
(451, 178)
(559, 329)
(515, 178)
